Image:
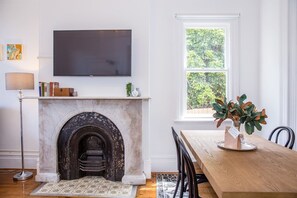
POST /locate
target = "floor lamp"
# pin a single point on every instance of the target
(20, 81)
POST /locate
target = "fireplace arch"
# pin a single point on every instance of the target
(94, 135)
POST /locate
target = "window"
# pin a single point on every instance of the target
(208, 72)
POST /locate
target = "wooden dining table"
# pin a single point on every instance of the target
(267, 172)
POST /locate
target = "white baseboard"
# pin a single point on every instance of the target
(12, 159)
(164, 163)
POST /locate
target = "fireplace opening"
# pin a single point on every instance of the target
(90, 144)
(92, 160)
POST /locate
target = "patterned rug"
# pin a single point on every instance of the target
(90, 186)
(166, 186)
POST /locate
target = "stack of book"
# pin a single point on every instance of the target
(47, 89)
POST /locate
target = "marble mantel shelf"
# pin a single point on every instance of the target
(87, 98)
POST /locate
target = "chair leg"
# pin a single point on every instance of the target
(182, 185)
(177, 184)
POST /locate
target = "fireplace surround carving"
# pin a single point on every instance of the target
(124, 113)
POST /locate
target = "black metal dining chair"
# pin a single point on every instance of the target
(200, 178)
(275, 136)
(189, 170)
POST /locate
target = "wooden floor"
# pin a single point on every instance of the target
(22, 189)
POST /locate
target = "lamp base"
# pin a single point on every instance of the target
(24, 175)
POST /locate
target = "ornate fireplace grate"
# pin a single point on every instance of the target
(92, 161)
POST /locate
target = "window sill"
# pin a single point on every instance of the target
(205, 119)
(210, 119)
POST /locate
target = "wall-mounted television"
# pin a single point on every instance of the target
(92, 53)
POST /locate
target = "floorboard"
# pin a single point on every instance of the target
(22, 189)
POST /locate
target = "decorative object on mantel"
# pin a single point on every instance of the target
(132, 91)
(136, 92)
(47, 89)
(53, 89)
(63, 91)
(20, 81)
(129, 89)
(240, 113)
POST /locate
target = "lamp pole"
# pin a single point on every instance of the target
(24, 175)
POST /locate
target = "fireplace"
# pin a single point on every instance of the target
(90, 136)
(90, 144)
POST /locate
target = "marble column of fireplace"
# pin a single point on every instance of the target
(125, 113)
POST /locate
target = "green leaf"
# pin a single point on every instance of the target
(239, 110)
(248, 128)
(242, 119)
(241, 99)
(262, 118)
(250, 109)
(217, 107)
(258, 126)
(232, 110)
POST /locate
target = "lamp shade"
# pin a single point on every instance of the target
(19, 81)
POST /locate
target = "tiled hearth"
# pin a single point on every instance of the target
(124, 113)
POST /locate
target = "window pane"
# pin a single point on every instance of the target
(202, 89)
(205, 47)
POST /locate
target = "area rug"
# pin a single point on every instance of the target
(166, 185)
(89, 186)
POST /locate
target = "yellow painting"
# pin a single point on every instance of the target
(14, 51)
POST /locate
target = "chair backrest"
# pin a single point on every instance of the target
(178, 153)
(275, 136)
(189, 170)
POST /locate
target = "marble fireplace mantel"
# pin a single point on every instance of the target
(125, 112)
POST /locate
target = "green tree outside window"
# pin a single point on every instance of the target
(206, 77)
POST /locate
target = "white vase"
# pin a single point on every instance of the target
(134, 93)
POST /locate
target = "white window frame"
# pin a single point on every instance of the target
(231, 25)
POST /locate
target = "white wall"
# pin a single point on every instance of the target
(18, 24)
(278, 62)
(274, 62)
(165, 67)
(155, 62)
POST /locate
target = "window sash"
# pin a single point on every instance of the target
(225, 69)
(203, 115)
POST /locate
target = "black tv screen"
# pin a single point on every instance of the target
(92, 53)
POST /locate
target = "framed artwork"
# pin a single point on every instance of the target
(1, 52)
(14, 51)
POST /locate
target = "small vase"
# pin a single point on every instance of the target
(134, 93)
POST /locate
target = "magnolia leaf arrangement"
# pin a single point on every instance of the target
(240, 111)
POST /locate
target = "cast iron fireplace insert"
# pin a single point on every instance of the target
(90, 144)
